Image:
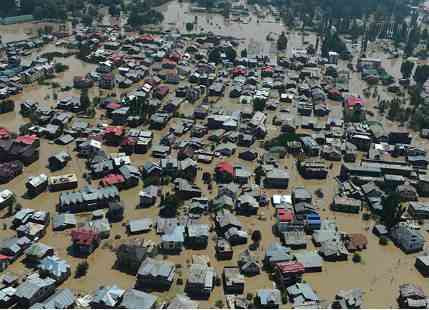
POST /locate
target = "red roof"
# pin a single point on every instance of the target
(162, 90)
(147, 38)
(27, 139)
(114, 130)
(107, 77)
(290, 267)
(113, 106)
(83, 236)
(334, 92)
(175, 56)
(129, 141)
(285, 215)
(225, 167)
(239, 71)
(353, 101)
(267, 69)
(4, 133)
(112, 179)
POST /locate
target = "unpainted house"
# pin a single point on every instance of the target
(155, 274)
(200, 282)
(233, 280)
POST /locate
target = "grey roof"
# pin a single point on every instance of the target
(176, 235)
(277, 174)
(304, 290)
(309, 259)
(32, 286)
(64, 219)
(333, 247)
(278, 252)
(269, 296)
(54, 266)
(38, 249)
(108, 295)
(226, 218)
(156, 268)
(88, 194)
(135, 299)
(61, 299)
(140, 225)
(182, 302)
(201, 274)
(198, 230)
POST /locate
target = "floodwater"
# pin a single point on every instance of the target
(22, 31)
(383, 268)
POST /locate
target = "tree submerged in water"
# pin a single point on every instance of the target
(282, 42)
(142, 13)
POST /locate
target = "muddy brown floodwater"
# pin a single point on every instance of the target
(383, 268)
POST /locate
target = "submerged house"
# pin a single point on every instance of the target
(33, 290)
(135, 299)
(233, 280)
(55, 268)
(172, 241)
(196, 236)
(130, 255)
(106, 297)
(155, 274)
(200, 281)
(248, 264)
(88, 199)
(268, 298)
(85, 240)
(407, 238)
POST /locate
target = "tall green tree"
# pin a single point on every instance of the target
(282, 42)
(84, 100)
(421, 74)
(407, 68)
(392, 211)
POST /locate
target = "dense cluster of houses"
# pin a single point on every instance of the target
(170, 71)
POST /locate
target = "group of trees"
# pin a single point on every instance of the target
(215, 55)
(140, 107)
(333, 43)
(143, 13)
(40, 9)
(282, 42)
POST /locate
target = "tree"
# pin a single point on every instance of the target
(259, 173)
(357, 258)
(60, 67)
(189, 27)
(383, 241)
(421, 74)
(243, 53)
(394, 109)
(85, 102)
(392, 211)
(282, 42)
(231, 54)
(8, 7)
(87, 20)
(219, 304)
(27, 6)
(84, 51)
(227, 9)
(214, 56)
(141, 13)
(407, 68)
(114, 10)
(256, 236)
(81, 269)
